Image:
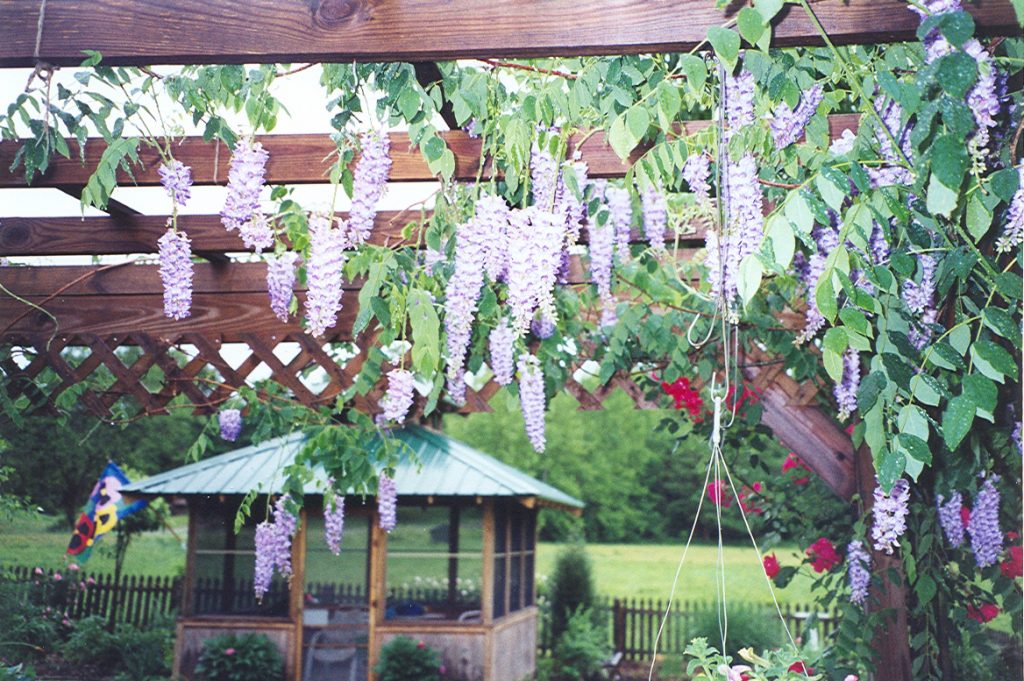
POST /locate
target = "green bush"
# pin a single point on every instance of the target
(404, 659)
(757, 628)
(26, 632)
(91, 645)
(16, 673)
(239, 657)
(582, 648)
(570, 587)
(146, 653)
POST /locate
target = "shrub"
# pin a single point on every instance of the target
(404, 659)
(239, 657)
(26, 633)
(581, 649)
(16, 673)
(757, 628)
(146, 653)
(91, 645)
(570, 587)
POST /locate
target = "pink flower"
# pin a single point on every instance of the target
(983, 614)
(793, 462)
(799, 668)
(441, 669)
(38, 571)
(57, 577)
(229, 651)
(771, 566)
(851, 677)
(74, 567)
(90, 581)
(823, 555)
(718, 494)
(1013, 566)
(421, 645)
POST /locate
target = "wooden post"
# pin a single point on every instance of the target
(453, 559)
(377, 586)
(618, 626)
(189, 582)
(891, 642)
(487, 584)
(298, 592)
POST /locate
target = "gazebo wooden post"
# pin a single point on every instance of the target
(378, 588)
(297, 592)
(487, 576)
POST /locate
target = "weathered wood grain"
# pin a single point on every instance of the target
(303, 159)
(221, 31)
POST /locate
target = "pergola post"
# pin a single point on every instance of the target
(378, 588)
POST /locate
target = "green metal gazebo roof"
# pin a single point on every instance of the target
(446, 468)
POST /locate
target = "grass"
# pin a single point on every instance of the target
(620, 570)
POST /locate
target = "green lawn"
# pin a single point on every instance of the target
(626, 571)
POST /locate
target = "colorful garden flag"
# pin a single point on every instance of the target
(101, 513)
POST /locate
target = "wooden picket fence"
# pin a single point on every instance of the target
(134, 599)
(632, 624)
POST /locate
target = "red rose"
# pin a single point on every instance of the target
(793, 462)
(421, 644)
(799, 668)
(746, 503)
(965, 515)
(823, 555)
(986, 612)
(719, 495)
(771, 566)
(1013, 566)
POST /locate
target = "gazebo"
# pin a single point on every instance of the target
(457, 572)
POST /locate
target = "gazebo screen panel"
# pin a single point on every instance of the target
(434, 563)
(223, 568)
(514, 556)
(335, 582)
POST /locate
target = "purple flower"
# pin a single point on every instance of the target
(398, 399)
(949, 518)
(602, 249)
(257, 233)
(925, 7)
(920, 301)
(827, 240)
(245, 182)
(267, 546)
(387, 502)
(858, 571)
(843, 144)
(878, 244)
(230, 422)
(280, 282)
(543, 327)
(846, 389)
(456, 387)
(501, 344)
(739, 102)
(986, 537)
(713, 261)
(620, 217)
(369, 180)
(889, 515)
(745, 216)
(531, 399)
(535, 249)
(463, 291)
(696, 171)
(175, 252)
(609, 316)
(324, 274)
(574, 208)
(176, 177)
(545, 178)
(492, 226)
(285, 519)
(334, 521)
(655, 211)
(1013, 231)
(788, 125)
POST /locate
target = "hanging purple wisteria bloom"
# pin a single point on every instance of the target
(369, 180)
(655, 213)
(713, 261)
(620, 217)
(324, 274)
(245, 182)
(543, 327)
(739, 102)
(531, 399)
(492, 225)
(787, 124)
(696, 172)
(1013, 229)
(745, 219)
(257, 233)
(545, 178)
(919, 297)
(230, 422)
(387, 502)
(267, 545)
(827, 240)
(574, 208)
(846, 389)
(463, 292)
(889, 516)
(176, 177)
(286, 520)
(986, 537)
(398, 399)
(175, 254)
(950, 519)
(609, 315)
(843, 144)
(334, 521)
(858, 571)
(501, 343)
(455, 387)
(280, 282)
(602, 249)
(535, 249)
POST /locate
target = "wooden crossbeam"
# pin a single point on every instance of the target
(112, 236)
(300, 159)
(139, 32)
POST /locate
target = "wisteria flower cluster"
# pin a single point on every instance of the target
(241, 209)
(787, 125)
(986, 537)
(176, 178)
(535, 247)
(281, 282)
(846, 389)
(889, 515)
(696, 172)
(334, 521)
(387, 502)
(950, 518)
(369, 180)
(1013, 222)
(397, 401)
(324, 274)
(858, 571)
(175, 254)
(463, 292)
(655, 212)
(230, 421)
(501, 343)
(531, 398)
(274, 547)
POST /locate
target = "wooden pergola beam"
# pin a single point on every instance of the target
(300, 159)
(146, 32)
(112, 236)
